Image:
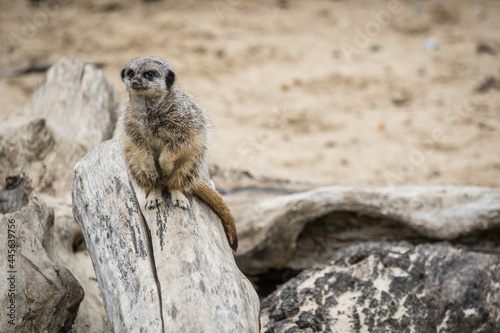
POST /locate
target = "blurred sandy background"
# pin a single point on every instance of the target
(331, 92)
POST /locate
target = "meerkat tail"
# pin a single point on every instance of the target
(206, 193)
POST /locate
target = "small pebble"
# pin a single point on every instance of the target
(485, 48)
(400, 97)
(430, 44)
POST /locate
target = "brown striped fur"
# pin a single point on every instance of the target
(164, 136)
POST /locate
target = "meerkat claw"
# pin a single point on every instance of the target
(164, 176)
(179, 199)
(154, 180)
(153, 202)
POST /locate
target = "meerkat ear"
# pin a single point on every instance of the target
(123, 73)
(170, 79)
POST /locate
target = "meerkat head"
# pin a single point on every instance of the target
(148, 76)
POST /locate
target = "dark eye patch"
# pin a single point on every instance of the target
(151, 74)
(130, 73)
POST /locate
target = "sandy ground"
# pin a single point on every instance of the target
(331, 92)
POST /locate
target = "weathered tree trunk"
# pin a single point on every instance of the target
(165, 270)
(72, 111)
(37, 293)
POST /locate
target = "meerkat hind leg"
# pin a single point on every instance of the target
(153, 199)
(179, 199)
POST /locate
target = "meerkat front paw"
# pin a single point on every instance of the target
(153, 200)
(179, 199)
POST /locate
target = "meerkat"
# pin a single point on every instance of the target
(164, 136)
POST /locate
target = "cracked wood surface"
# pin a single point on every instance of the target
(165, 270)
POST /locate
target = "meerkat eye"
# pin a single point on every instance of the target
(131, 73)
(150, 74)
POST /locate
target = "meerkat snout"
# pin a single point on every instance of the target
(136, 84)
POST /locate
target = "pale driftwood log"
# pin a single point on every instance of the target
(37, 293)
(32, 67)
(27, 68)
(73, 110)
(300, 230)
(73, 255)
(165, 270)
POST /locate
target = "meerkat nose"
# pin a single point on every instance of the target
(136, 84)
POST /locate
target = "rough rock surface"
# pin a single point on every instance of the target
(391, 287)
(43, 295)
(302, 229)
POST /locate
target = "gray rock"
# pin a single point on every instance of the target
(391, 287)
